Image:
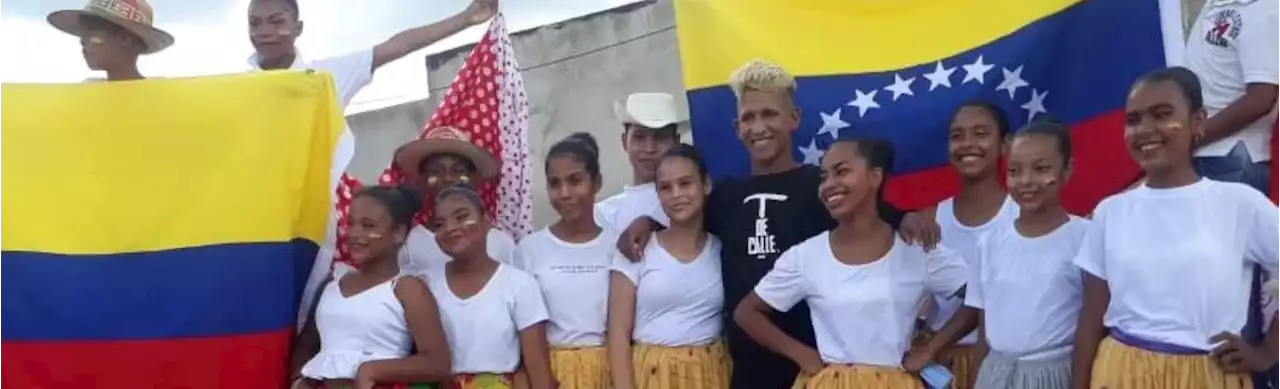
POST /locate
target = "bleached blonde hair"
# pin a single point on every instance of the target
(763, 76)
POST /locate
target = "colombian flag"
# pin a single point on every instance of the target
(159, 233)
(898, 70)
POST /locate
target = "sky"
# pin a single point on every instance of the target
(212, 38)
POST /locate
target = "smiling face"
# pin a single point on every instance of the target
(462, 227)
(444, 170)
(682, 189)
(849, 182)
(106, 45)
(373, 233)
(571, 187)
(766, 120)
(273, 28)
(1160, 126)
(1036, 172)
(645, 146)
(974, 142)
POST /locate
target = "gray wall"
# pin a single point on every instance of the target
(573, 71)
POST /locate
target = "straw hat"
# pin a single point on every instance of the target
(652, 110)
(446, 140)
(132, 15)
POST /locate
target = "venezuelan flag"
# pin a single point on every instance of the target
(898, 70)
(159, 233)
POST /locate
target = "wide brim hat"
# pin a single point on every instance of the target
(651, 110)
(134, 16)
(446, 140)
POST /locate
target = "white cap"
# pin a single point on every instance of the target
(652, 110)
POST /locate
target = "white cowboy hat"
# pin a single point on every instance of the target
(133, 15)
(651, 110)
(446, 140)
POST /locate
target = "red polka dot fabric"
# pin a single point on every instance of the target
(488, 101)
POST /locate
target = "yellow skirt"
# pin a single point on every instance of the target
(695, 367)
(962, 363)
(581, 368)
(857, 377)
(1120, 366)
(961, 360)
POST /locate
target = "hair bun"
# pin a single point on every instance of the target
(587, 140)
(411, 196)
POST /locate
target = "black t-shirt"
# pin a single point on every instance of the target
(757, 219)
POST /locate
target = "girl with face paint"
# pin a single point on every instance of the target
(862, 282)
(445, 157)
(1023, 283)
(570, 260)
(665, 313)
(975, 143)
(374, 326)
(493, 313)
(1167, 266)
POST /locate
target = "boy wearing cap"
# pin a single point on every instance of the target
(649, 129)
(113, 33)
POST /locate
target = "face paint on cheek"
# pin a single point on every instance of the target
(96, 40)
(284, 32)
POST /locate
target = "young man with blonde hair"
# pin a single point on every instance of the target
(759, 217)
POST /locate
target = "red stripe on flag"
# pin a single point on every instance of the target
(1102, 168)
(241, 361)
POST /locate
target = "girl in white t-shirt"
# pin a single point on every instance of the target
(1023, 283)
(666, 312)
(369, 321)
(975, 141)
(493, 313)
(862, 283)
(570, 259)
(1168, 266)
(445, 157)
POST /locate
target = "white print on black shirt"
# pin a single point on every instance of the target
(763, 243)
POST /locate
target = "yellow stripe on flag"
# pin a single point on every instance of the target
(169, 163)
(823, 37)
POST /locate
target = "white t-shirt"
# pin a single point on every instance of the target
(1028, 289)
(618, 211)
(1232, 44)
(421, 253)
(862, 314)
(963, 240)
(1179, 260)
(677, 303)
(574, 278)
(484, 330)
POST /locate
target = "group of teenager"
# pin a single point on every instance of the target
(667, 285)
(795, 276)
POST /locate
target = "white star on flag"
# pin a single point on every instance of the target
(864, 101)
(940, 76)
(812, 154)
(1036, 104)
(1012, 81)
(976, 71)
(900, 86)
(831, 123)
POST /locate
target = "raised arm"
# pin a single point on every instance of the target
(415, 39)
(431, 362)
(622, 314)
